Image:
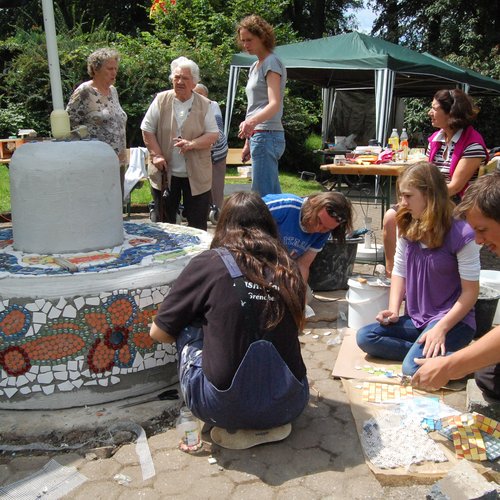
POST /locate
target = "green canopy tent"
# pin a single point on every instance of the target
(354, 61)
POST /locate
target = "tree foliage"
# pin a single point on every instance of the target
(463, 32)
(460, 31)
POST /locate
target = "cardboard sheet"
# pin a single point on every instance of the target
(352, 362)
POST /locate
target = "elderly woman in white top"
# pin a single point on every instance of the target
(179, 129)
(95, 104)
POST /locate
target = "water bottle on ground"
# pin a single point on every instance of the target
(188, 428)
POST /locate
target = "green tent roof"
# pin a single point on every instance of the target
(348, 61)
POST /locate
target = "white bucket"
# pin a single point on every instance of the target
(365, 301)
(491, 279)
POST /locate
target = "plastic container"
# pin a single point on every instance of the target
(365, 300)
(59, 124)
(188, 428)
(394, 140)
(404, 145)
(491, 279)
(485, 307)
(332, 266)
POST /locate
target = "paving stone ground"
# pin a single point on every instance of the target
(321, 459)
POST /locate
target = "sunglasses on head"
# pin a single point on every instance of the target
(335, 215)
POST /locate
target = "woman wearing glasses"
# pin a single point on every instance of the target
(305, 224)
(456, 148)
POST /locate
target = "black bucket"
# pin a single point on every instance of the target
(332, 267)
(486, 307)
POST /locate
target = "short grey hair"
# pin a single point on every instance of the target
(96, 60)
(183, 62)
(203, 88)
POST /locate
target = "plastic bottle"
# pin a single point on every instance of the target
(59, 124)
(394, 139)
(188, 428)
(404, 145)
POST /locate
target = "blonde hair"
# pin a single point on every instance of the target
(436, 219)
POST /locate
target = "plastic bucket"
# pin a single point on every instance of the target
(365, 301)
(332, 266)
(491, 279)
(485, 308)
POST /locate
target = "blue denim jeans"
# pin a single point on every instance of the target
(266, 148)
(398, 341)
(264, 392)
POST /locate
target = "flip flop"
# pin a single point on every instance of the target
(246, 438)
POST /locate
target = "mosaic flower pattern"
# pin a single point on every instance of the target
(15, 361)
(68, 343)
(14, 322)
(110, 335)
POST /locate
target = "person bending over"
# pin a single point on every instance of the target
(305, 224)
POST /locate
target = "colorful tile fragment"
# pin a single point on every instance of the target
(389, 371)
(466, 442)
(375, 392)
(487, 425)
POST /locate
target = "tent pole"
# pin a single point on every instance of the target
(234, 73)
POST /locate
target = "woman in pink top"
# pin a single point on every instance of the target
(456, 149)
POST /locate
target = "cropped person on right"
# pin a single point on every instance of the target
(436, 272)
(457, 149)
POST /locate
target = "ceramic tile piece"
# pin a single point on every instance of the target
(79, 302)
(48, 389)
(54, 313)
(22, 380)
(61, 304)
(39, 317)
(40, 303)
(10, 391)
(69, 311)
(65, 386)
(45, 378)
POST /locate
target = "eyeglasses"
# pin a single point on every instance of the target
(335, 215)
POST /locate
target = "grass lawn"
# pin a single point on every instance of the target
(4, 189)
(290, 183)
